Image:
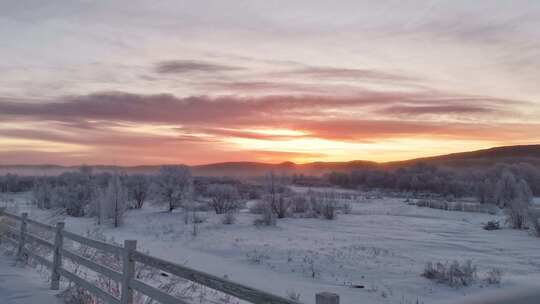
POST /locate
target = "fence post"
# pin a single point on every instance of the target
(128, 271)
(326, 298)
(57, 259)
(22, 236)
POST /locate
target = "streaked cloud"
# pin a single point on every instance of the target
(191, 66)
(203, 81)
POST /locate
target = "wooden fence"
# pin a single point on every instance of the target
(20, 236)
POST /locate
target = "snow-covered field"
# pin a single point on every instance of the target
(382, 245)
(22, 286)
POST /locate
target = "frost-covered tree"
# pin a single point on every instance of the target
(277, 196)
(224, 198)
(112, 201)
(515, 196)
(518, 207)
(74, 192)
(138, 188)
(173, 185)
(42, 194)
(506, 189)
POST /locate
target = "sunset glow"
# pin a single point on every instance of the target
(135, 82)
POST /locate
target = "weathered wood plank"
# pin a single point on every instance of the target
(326, 298)
(41, 225)
(39, 241)
(12, 216)
(128, 271)
(100, 293)
(22, 236)
(155, 293)
(38, 258)
(13, 232)
(57, 256)
(117, 276)
(93, 243)
(11, 241)
(240, 291)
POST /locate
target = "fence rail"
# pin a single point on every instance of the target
(19, 237)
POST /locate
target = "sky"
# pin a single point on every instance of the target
(153, 82)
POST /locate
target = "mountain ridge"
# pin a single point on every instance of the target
(475, 158)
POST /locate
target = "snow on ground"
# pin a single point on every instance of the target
(383, 245)
(22, 285)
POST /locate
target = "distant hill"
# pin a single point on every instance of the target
(479, 158)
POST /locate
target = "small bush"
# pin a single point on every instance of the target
(198, 218)
(493, 276)
(299, 204)
(76, 295)
(329, 210)
(257, 257)
(229, 218)
(534, 219)
(267, 216)
(346, 208)
(492, 225)
(224, 198)
(256, 207)
(3, 227)
(454, 274)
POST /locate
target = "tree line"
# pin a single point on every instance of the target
(424, 178)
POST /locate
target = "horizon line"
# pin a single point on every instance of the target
(265, 163)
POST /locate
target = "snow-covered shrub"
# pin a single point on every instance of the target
(492, 225)
(3, 225)
(423, 203)
(309, 267)
(279, 204)
(256, 207)
(299, 204)
(257, 256)
(76, 295)
(267, 217)
(494, 276)
(329, 209)
(224, 198)
(229, 218)
(173, 185)
(346, 208)
(198, 218)
(454, 274)
(277, 196)
(534, 219)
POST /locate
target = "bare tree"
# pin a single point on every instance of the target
(224, 198)
(277, 196)
(138, 188)
(173, 185)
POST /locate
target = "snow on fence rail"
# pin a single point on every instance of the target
(20, 236)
